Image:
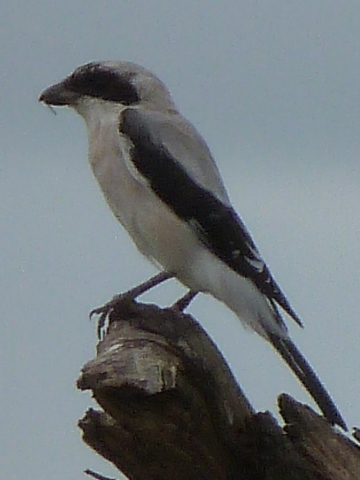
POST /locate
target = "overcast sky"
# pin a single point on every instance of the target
(273, 86)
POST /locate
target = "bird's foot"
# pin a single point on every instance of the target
(105, 310)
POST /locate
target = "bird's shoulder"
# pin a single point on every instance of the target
(168, 133)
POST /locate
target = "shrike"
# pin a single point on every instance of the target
(161, 182)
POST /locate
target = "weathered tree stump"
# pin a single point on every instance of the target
(172, 410)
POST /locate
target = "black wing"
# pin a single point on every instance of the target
(216, 224)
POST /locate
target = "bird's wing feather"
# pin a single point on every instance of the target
(173, 158)
(173, 133)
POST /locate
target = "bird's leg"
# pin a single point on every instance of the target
(183, 302)
(131, 294)
(147, 285)
(96, 475)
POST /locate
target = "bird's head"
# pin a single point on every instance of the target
(108, 84)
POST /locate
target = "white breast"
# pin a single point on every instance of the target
(154, 228)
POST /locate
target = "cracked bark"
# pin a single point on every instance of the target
(171, 409)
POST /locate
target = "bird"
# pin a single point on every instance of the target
(161, 182)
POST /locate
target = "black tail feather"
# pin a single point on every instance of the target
(302, 369)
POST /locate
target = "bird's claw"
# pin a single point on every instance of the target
(104, 311)
(108, 308)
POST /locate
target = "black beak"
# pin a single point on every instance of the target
(59, 95)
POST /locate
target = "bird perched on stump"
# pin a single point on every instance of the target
(161, 182)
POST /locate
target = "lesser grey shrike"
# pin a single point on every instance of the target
(161, 182)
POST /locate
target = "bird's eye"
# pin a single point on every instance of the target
(105, 83)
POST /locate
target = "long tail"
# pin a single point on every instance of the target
(302, 369)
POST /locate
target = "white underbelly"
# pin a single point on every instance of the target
(157, 232)
(162, 236)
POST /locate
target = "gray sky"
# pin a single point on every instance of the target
(274, 88)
